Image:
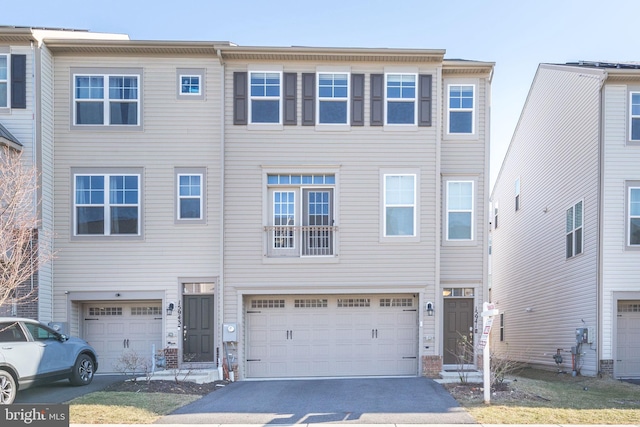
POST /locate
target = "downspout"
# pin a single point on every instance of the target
(34, 116)
(599, 273)
(438, 326)
(222, 117)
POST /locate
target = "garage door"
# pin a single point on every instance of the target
(114, 329)
(327, 336)
(628, 349)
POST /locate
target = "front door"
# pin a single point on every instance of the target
(458, 331)
(198, 327)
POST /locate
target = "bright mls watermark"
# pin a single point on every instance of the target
(35, 415)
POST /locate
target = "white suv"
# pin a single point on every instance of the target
(32, 353)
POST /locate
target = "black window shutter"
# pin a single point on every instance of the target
(290, 92)
(18, 81)
(308, 99)
(377, 99)
(424, 102)
(357, 99)
(240, 102)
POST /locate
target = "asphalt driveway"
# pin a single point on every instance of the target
(62, 391)
(367, 400)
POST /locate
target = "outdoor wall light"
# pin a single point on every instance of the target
(170, 309)
(430, 308)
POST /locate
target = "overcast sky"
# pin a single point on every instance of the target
(515, 34)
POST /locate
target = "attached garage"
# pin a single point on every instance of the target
(116, 328)
(628, 340)
(292, 336)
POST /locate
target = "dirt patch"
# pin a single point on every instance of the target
(166, 386)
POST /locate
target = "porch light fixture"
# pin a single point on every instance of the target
(170, 309)
(430, 308)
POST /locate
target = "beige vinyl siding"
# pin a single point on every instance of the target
(46, 136)
(620, 266)
(357, 156)
(554, 153)
(176, 133)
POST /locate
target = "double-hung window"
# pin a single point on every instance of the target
(459, 210)
(634, 216)
(634, 120)
(461, 109)
(399, 205)
(4, 81)
(301, 215)
(265, 91)
(333, 98)
(401, 99)
(106, 100)
(107, 204)
(190, 196)
(574, 220)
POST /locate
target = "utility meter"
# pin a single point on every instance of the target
(229, 332)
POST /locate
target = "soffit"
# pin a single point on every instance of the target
(127, 47)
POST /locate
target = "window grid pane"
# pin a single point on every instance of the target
(119, 105)
(574, 218)
(265, 97)
(635, 116)
(634, 216)
(399, 199)
(190, 85)
(190, 196)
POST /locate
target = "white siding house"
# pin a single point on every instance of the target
(564, 248)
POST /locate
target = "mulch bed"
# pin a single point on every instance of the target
(165, 386)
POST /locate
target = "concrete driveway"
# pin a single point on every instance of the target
(62, 391)
(366, 400)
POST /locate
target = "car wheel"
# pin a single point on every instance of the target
(83, 370)
(8, 388)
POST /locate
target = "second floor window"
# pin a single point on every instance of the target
(333, 98)
(107, 205)
(102, 100)
(459, 210)
(574, 233)
(634, 107)
(4, 81)
(634, 216)
(400, 205)
(461, 109)
(401, 99)
(189, 196)
(265, 105)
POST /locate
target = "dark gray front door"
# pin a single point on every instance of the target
(458, 323)
(198, 328)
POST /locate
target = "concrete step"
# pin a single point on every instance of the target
(454, 376)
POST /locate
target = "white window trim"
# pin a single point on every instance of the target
(346, 99)
(7, 81)
(191, 94)
(106, 100)
(179, 198)
(635, 185)
(383, 224)
(279, 98)
(106, 205)
(472, 109)
(572, 232)
(472, 210)
(632, 116)
(413, 100)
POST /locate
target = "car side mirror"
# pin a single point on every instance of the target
(63, 337)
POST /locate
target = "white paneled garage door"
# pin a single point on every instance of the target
(115, 328)
(331, 335)
(628, 348)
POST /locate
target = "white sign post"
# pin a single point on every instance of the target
(488, 311)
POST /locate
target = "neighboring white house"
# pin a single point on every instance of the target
(566, 223)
